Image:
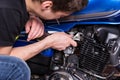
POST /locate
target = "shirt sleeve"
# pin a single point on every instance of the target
(10, 26)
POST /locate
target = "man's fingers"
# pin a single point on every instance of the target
(33, 30)
(73, 43)
(28, 26)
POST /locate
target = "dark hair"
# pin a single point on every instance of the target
(67, 5)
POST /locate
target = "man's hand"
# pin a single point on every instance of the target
(34, 27)
(60, 41)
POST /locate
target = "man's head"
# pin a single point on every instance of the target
(53, 9)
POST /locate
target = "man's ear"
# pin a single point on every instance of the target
(46, 5)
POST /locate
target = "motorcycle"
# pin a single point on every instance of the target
(96, 29)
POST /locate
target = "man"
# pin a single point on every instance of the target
(13, 16)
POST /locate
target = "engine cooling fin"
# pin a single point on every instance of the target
(93, 56)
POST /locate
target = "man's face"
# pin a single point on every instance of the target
(44, 11)
(52, 15)
(49, 15)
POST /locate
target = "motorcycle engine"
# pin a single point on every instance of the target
(89, 59)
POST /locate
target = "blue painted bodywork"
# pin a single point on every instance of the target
(95, 6)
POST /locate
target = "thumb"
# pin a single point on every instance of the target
(73, 43)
